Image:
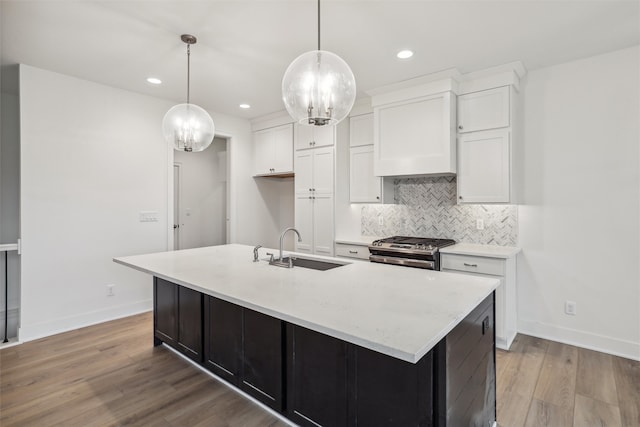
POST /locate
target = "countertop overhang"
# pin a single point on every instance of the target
(398, 311)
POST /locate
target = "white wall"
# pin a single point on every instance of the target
(92, 158)
(203, 197)
(579, 226)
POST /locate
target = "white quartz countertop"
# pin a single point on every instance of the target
(399, 311)
(491, 251)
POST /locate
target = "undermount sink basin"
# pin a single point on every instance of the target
(314, 264)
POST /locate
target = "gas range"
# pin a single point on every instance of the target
(420, 252)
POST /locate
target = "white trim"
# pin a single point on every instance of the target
(231, 184)
(588, 340)
(272, 120)
(51, 327)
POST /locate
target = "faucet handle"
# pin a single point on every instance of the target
(270, 257)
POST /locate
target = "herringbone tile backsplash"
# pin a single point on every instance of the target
(426, 207)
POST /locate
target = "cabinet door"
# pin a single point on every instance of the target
(487, 109)
(263, 146)
(415, 137)
(323, 136)
(316, 378)
(483, 175)
(323, 225)
(323, 170)
(361, 130)
(262, 358)
(190, 323)
(283, 148)
(223, 338)
(165, 311)
(364, 187)
(304, 222)
(304, 136)
(303, 181)
(392, 392)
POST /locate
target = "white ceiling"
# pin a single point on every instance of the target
(244, 47)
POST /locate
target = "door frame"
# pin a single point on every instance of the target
(231, 193)
(179, 206)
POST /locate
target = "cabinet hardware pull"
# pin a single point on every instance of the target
(353, 252)
(377, 197)
(310, 189)
(310, 197)
(460, 197)
(313, 189)
(460, 127)
(470, 265)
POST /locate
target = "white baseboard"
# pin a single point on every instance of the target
(591, 341)
(35, 331)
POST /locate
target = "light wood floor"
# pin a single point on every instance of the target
(110, 374)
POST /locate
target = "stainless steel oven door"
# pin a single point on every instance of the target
(409, 262)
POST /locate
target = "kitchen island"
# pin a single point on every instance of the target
(360, 344)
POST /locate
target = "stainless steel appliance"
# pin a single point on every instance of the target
(420, 252)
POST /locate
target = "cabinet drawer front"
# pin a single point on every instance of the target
(473, 264)
(352, 251)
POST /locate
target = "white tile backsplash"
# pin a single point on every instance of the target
(426, 207)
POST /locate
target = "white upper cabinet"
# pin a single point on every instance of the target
(364, 186)
(273, 149)
(487, 128)
(484, 110)
(361, 130)
(484, 167)
(415, 136)
(314, 136)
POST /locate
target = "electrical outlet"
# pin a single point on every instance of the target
(380, 220)
(479, 224)
(570, 308)
(111, 290)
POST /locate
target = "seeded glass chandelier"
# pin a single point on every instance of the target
(318, 88)
(187, 126)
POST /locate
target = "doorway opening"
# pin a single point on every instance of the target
(201, 196)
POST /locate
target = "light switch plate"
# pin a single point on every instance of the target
(149, 216)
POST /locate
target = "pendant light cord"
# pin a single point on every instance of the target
(318, 24)
(188, 69)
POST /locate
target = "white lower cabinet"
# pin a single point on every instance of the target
(506, 301)
(314, 221)
(351, 250)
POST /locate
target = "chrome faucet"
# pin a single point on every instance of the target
(255, 253)
(282, 238)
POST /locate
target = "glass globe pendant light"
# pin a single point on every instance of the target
(187, 126)
(318, 87)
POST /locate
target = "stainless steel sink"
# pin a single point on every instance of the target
(314, 264)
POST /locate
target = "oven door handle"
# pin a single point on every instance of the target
(431, 265)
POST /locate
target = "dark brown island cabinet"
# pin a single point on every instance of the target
(317, 380)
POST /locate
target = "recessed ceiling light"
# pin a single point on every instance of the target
(404, 54)
(245, 106)
(154, 80)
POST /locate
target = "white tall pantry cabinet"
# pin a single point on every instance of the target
(314, 192)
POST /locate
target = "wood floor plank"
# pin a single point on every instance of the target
(595, 413)
(557, 380)
(544, 414)
(516, 381)
(627, 375)
(595, 376)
